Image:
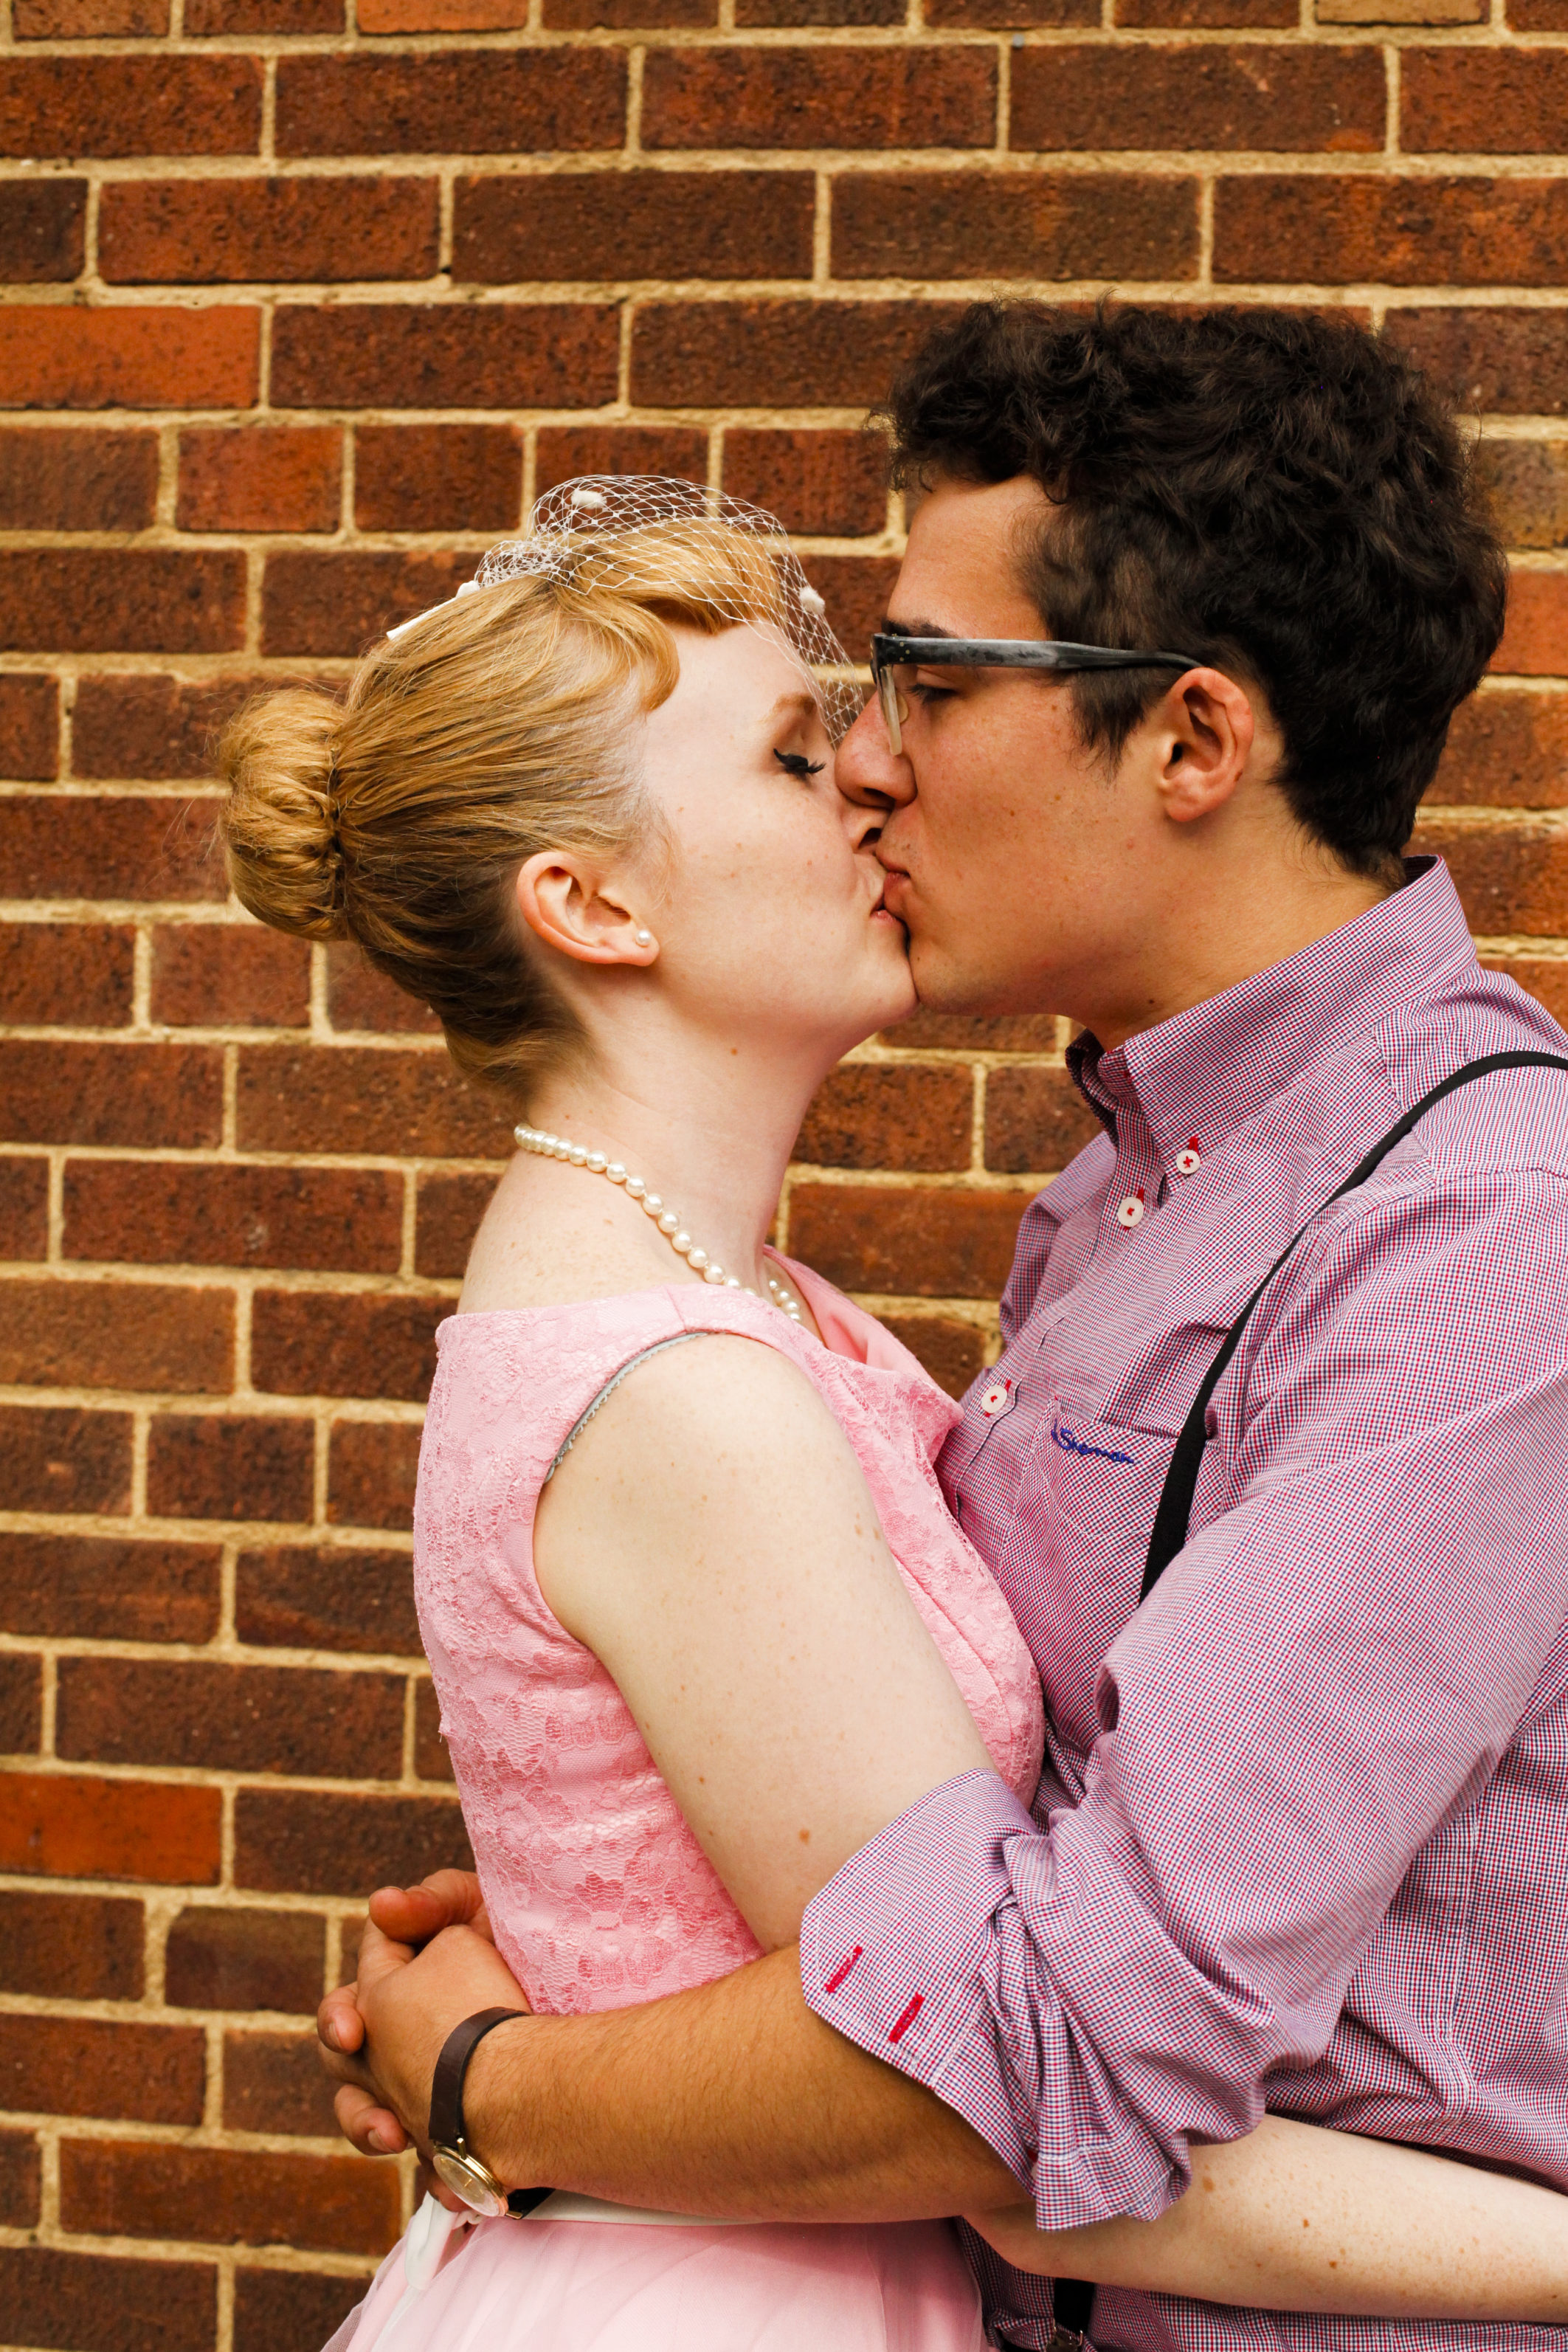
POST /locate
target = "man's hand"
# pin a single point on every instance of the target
(381, 2036)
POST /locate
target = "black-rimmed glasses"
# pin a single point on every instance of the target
(893, 654)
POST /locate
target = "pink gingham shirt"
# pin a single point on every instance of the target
(1301, 1840)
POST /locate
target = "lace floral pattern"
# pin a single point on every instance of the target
(598, 1891)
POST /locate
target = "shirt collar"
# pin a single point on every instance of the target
(1198, 1077)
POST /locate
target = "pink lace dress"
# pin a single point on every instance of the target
(598, 1891)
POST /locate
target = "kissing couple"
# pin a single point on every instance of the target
(1128, 1811)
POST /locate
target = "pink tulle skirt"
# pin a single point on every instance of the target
(592, 2286)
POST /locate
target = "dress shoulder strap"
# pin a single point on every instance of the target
(611, 1385)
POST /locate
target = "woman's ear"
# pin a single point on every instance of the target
(574, 906)
(1207, 728)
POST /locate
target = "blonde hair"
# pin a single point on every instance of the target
(502, 725)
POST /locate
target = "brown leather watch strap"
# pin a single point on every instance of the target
(448, 2128)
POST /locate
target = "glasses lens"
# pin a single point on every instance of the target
(893, 706)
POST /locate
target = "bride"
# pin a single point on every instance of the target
(698, 1618)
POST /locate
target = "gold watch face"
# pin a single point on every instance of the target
(468, 2179)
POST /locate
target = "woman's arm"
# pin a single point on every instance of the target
(1295, 2218)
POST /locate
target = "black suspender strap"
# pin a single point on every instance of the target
(1175, 1512)
(1073, 2299)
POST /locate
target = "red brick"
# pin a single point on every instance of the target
(63, 357)
(1003, 15)
(206, 18)
(108, 1590)
(97, 2303)
(914, 97)
(1535, 641)
(220, 1718)
(260, 477)
(111, 848)
(370, 1474)
(591, 224)
(147, 106)
(80, 2066)
(274, 2082)
(136, 1095)
(409, 1103)
(291, 2311)
(360, 997)
(1018, 224)
(21, 1704)
(222, 2196)
(465, 103)
(1538, 15)
(85, 20)
(582, 15)
(564, 451)
(66, 1825)
(342, 603)
(312, 1842)
(443, 477)
(449, 1210)
(1510, 878)
(1183, 16)
(71, 1947)
(202, 1466)
(442, 15)
(1507, 749)
(169, 1214)
(120, 1335)
(1546, 977)
(432, 1758)
(20, 2180)
(1462, 232)
(1035, 1120)
(76, 973)
(304, 1597)
(24, 1209)
(59, 1458)
(856, 589)
(773, 354)
(141, 726)
(102, 600)
(244, 1959)
(921, 1244)
(84, 480)
(1483, 101)
(1527, 484)
(211, 976)
(802, 12)
(505, 355)
(42, 230)
(1275, 99)
(222, 232)
(309, 1343)
(833, 485)
(901, 1115)
(29, 728)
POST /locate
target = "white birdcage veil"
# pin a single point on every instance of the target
(650, 531)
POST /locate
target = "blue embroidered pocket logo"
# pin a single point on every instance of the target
(1063, 1436)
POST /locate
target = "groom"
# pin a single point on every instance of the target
(1302, 1836)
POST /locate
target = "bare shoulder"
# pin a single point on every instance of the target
(718, 1397)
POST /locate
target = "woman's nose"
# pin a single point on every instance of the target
(868, 770)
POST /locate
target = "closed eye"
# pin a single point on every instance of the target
(795, 763)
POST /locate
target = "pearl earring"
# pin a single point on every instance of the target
(644, 939)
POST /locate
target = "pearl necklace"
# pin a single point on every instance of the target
(577, 1155)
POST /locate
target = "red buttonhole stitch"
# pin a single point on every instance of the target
(841, 1971)
(907, 2019)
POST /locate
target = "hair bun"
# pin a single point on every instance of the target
(280, 827)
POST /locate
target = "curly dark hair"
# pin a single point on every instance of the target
(1283, 495)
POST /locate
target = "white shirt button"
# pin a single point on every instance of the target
(1130, 1211)
(1186, 1161)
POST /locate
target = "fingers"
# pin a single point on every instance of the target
(379, 1957)
(339, 2025)
(412, 1915)
(427, 2185)
(372, 2129)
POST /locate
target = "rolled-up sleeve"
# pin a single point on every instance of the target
(1333, 1666)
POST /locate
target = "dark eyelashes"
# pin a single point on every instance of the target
(795, 763)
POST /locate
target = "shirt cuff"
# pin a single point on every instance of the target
(893, 1952)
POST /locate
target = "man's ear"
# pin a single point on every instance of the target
(1205, 729)
(570, 903)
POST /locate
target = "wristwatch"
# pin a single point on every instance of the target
(453, 2161)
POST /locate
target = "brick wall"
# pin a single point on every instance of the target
(302, 314)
